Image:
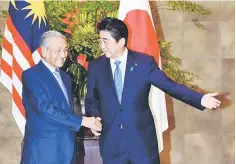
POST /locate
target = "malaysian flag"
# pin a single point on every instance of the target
(26, 22)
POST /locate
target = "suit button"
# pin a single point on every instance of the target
(121, 109)
(120, 126)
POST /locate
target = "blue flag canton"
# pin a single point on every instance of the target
(29, 19)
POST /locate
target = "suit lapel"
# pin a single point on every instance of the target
(129, 71)
(52, 79)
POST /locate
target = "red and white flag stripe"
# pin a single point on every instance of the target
(16, 57)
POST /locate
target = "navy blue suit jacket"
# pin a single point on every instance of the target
(134, 111)
(50, 121)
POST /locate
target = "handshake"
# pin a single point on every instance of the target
(94, 124)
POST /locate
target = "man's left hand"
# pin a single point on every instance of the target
(209, 101)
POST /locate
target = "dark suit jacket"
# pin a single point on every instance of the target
(50, 121)
(134, 111)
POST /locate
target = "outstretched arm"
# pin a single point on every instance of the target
(178, 91)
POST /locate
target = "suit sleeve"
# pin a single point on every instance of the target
(178, 91)
(91, 100)
(46, 108)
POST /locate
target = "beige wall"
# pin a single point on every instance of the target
(201, 137)
(193, 137)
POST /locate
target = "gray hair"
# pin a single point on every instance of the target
(52, 33)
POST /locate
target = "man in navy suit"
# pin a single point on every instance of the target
(118, 87)
(47, 97)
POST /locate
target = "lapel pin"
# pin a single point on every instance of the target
(131, 69)
(135, 64)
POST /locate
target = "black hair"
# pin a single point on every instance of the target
(116, 27)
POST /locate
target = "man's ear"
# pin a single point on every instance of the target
(44, 51)
(122, 42)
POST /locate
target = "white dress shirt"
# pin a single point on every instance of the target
(123, 60)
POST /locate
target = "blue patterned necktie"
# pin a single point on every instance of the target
(118, 80)
(60, 82)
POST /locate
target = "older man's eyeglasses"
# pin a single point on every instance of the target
(58, 51)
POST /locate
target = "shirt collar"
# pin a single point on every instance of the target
(51, 68)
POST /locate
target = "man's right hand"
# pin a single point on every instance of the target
(95, 132)
(92, 123)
